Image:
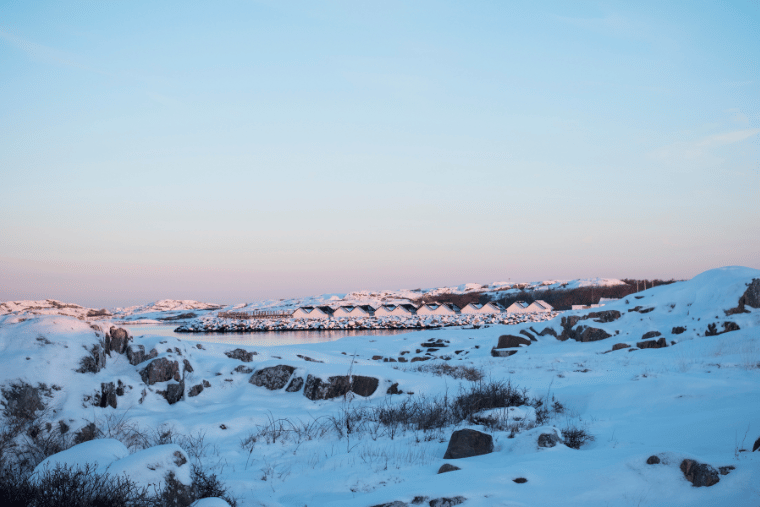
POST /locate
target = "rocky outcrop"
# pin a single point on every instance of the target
(195, 390)
(272, 377)
(604, 316)
(173, 392)
(393, 389)
(160, 370)
(508, 341)
(447, 502)
(117, 340)
(318, 389)
(466, 443)
(699, 474)
(447, 467)
(653, 344)
(547, 331)
(243, 369)
(751, 298)
(136, 354)
(241, 355)
(548, 440)
(650, 334)
(590, 334)
(94, 361)
(107, 395)
(756, 446)
(677, 330)
(502, 352)
(295, 385)
(712, 329)
(530, 336)
(653, 460)
(586, 333)
(619, 346)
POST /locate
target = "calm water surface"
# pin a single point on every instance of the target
(266, 339)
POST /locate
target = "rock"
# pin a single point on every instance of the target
(466, 443)
(591, 334)
(22, 401)
(677, 330)
(640, 309)
(653, 460)
(447, 502)
(377, 358)
(206, 383)
(653, 344)
(173, 392)
(603, 316)
(393, 389)
(726, 470)
(520, 480)
(447, 467)
(756, 446)
(107, 395)
(136, 354)
(160, 370)
(397, 503)
(650, 334)
(508, 341)
(547, 331)
(548, 440)
(502, 352)
(195, 390)
(751, 298)
(307, 358)
(423, 358)
(86, 433)
(117, 340)
(699, 474)
(318, 389)
(241, 355)
(94, 361)
(189, 367)
(295, 385)
(727, 326)
(530, 336)
(619, 346)
(243, 369)
(273, 377)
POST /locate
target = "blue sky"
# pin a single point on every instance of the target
(231, 151)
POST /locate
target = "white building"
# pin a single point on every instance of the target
(540, 305)
(518, 307)
(310, 312)
(405, 310)
(385, 311)
(427, 309)
(343, 311)
(486, 309)
(447, 309)
(362, 311)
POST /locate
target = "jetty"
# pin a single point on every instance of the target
(256, 315)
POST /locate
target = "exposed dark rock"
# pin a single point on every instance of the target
(677, 330)
(295, 385)
(241, 355)
(419, 499)
(590, 334)
(272, 377)
(502, 352)
(699, 474)
(160, 370)
(650, 334)
(640, 309)
(377, 358)
(548, 440)
(173, 392)
(447, 467)
(726, 470)
(188, 366)
(94, 361)
(447, 502)
(508, 341)
(465, 443)
(136, 354)
(117, 340)
(756, 446)
(206, 383)
(619, 346)
(195, 390)
(520, 480)
(86, 433)
(243, 369)
(751, 298)
(21, 401)
(107, 395)
(727, 326)
(318, 389)
(653, 460)
(393, 389)
(604, 316)
(397, 503)
(530, 336)
(653, 344)
(416, 359)
(307, 358)
(547, 331)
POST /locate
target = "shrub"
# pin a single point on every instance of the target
(575, 437)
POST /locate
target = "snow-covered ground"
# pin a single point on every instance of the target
(698, 397)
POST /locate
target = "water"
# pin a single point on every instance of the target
(265, 339)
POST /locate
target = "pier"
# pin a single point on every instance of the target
(256, 315)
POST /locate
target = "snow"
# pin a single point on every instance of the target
(150, 467)
(697, 398)
(101, 453)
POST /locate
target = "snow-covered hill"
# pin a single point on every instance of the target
(279, 429)
(50, 307)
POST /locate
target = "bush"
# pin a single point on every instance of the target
(575, 437)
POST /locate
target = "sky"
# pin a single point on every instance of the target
(233, 151)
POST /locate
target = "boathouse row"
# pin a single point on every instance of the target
(408, 310)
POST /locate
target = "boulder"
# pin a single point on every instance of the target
(466, 443)
(509, 341)
(117, 340)
(241, 355)
(547, 331)
(548, 440)
(243, 369)
(195, 390)
(447, 467)
(393, 389)
(173, 392)
(397, 503)
(530, 336)
(699, 474)
(619, 346)
(653, 344)
(650, 334)
(188, 366)
(520, 480)
(727, 327)
(318, 389)
(590, 334)
(160, 370)
(107, 395)
(272, 377)
(677, 330)
(653, 460)
(756, 446)
(604, 316)
(726, 470)
(94, 361)
(136, 354)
